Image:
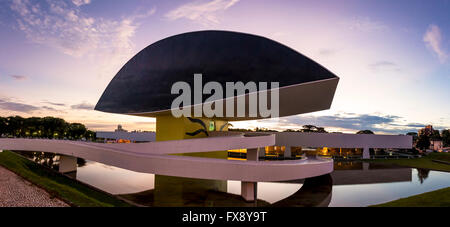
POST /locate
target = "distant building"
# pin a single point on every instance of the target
(436, 145)
(120, 129)
(121, 135)
(127, 137)
(428, 131)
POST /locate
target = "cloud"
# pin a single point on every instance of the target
(327, 52)
(11, 104)
(203, 12)
(19, 77)
(433, 40)
(48, 108)
(355, 122)
(18, 107)
(57, 24)
(54, 103)
(365, 24)
(384, 66)
(143, 15)
(81, 2)
(386, 124)
(415, 125)
(278, 34)
(60, 24)
(83, 106)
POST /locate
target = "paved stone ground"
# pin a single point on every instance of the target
(17, 192)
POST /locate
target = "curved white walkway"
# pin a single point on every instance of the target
(154, 158)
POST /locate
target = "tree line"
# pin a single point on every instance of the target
(46, 127)
(423, 141)
(305, 128)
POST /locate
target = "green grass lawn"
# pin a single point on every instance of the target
(57, 185)
(439, 198)
(423, 163)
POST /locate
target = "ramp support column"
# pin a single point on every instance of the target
(253, 154)
(287, 152)
(249, 189)
(366, 153)
(67, 164)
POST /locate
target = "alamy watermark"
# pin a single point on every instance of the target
(235, 106)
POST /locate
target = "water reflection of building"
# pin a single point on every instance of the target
(356, 172)
(316, 192)
(178, 191)
(349, 173)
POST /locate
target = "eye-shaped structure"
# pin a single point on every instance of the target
(143, 86)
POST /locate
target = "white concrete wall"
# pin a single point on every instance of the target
(336, 140)
(133, 136)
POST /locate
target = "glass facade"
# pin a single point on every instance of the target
(297, 152)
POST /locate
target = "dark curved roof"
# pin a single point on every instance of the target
(143, 84)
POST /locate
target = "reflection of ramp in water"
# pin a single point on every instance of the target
(371, 176)
(208, 198)
(179, 192)
(315, 192)
(176, 192)
(156, 158)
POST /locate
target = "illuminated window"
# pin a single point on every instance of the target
(212, 126)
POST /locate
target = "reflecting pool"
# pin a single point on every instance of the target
(351, 184)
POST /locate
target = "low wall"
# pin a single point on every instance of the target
(336, 140)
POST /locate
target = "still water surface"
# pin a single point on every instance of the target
(354, 184)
